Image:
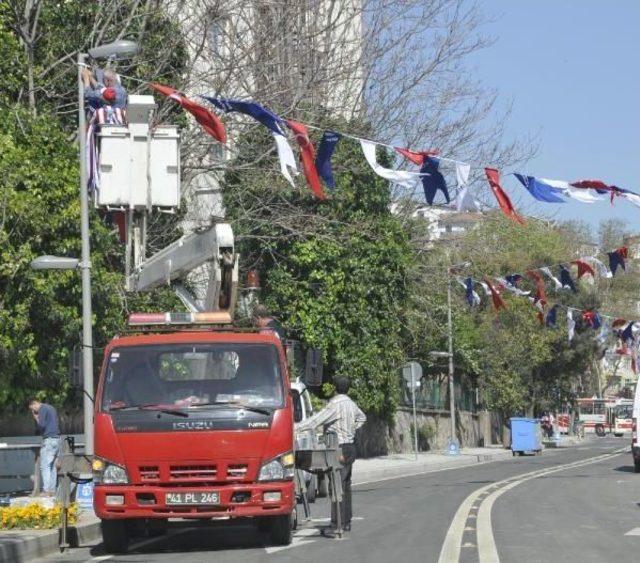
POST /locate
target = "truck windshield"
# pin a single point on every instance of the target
(190, 376)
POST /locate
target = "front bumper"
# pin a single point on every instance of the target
(144, 501)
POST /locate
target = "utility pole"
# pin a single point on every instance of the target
(85, 269)
(452, 400)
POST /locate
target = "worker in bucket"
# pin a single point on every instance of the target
(108, 92)
(347, 418)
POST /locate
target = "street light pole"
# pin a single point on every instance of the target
(452, 401)
(85, 267)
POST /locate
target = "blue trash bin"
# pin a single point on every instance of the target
(526, 435)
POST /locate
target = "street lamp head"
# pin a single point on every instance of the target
(54, 263)
(120, 49)
(437, 354)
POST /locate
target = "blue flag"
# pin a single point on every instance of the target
(323, 158)
(434, 181)
(513, 279)
(468, 284)
(551, 319)
(259, 113)
(615, 259)
(627, 334)
(538, 189)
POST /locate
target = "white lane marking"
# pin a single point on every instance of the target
(487, 549)
(633, 532)
(450, 552)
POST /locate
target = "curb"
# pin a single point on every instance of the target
(382, 474)
(19, 547)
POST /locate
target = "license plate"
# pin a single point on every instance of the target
(199, 497)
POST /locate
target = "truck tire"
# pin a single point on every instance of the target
(312, 489)
(636, 465)
(281, 529)
(115, 536)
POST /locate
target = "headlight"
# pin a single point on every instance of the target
(278, 469)
(105, 473)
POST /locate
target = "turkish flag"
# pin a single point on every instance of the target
(503, 199)
(416, 157)
(208, 120)
(307, 158)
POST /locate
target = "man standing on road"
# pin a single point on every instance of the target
(46, 419)
(344, 418)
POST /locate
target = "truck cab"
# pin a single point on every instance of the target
(194, 424)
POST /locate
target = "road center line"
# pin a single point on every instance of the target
(450, 552)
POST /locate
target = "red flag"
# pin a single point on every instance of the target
(498, 302)
(208, 120)
(623, 252)
(416, 157)
(591, 185)
(307, 158)
(584, 268)
(503, 199)
(541, 295)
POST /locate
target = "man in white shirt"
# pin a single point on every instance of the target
(347, 418)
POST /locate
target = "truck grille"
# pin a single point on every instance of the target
(149, 473)
(192, 472)
(237, 471)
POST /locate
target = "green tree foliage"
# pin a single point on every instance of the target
(333, 272)
(519, 365)
(40, 214)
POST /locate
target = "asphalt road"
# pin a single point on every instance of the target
(572, 505)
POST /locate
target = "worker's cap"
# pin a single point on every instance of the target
(109, 95)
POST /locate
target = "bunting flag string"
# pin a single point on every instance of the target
(433, 167)
(605, 325)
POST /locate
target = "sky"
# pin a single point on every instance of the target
(571, 69)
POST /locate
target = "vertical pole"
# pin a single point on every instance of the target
(415, 417)
(85, 267)
(452, 400)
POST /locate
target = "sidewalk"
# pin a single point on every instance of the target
(404, 465)
(18, 546)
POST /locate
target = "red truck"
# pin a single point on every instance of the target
(193, 424)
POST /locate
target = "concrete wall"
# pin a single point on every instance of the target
(22, 424)
(378, 437)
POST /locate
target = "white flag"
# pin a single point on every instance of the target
(571, 325)
(585, 196)
(487, 291)
(400, 177)
(555, 280)
(464, 201)
(512, 288)
(287, 159)
(600, 267)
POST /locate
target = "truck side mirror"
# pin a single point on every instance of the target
(313, 368)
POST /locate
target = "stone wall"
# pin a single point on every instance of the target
(379, 437)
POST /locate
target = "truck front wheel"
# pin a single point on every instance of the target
(281, 529)
(636, 465)
(115, 536)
